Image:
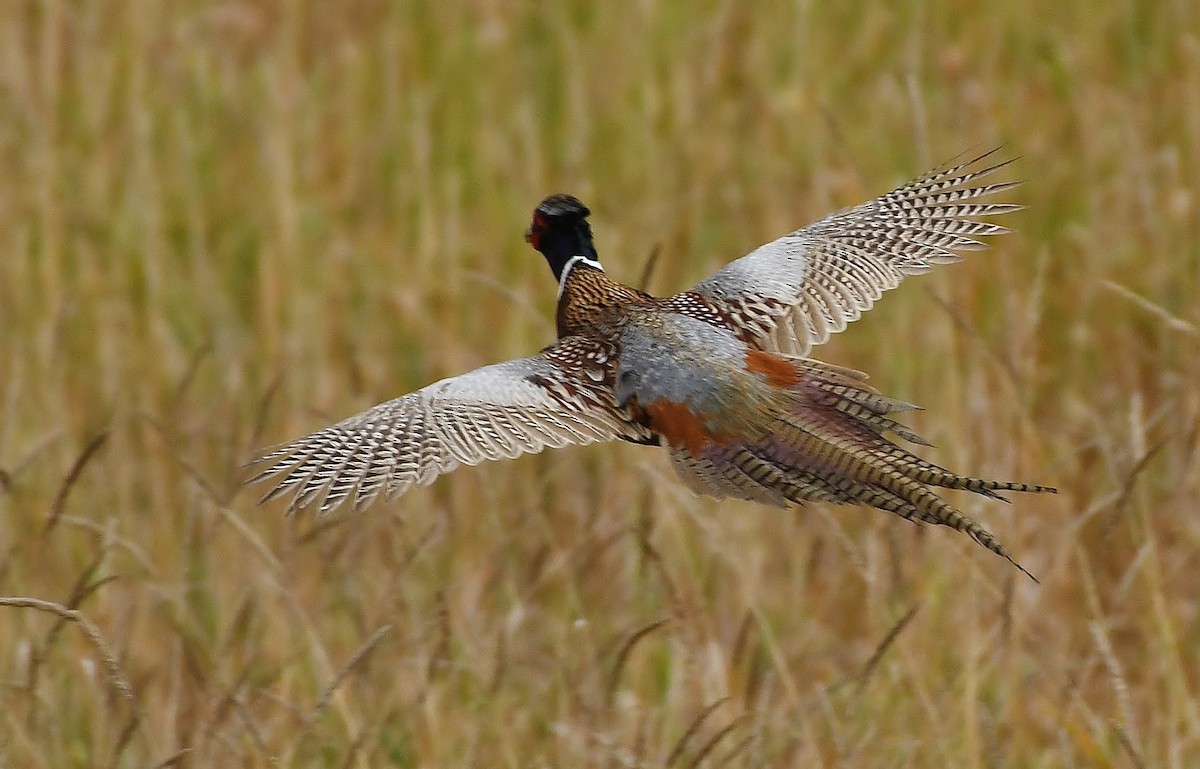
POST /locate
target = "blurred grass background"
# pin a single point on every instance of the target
(224, 224)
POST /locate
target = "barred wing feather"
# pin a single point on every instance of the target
(557, 398)
(795, 292)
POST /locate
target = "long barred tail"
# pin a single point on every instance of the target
(832, 447)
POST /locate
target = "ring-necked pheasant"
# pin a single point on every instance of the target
(714, 374)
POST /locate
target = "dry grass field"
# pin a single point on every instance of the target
(225, 224)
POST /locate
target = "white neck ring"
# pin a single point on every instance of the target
(566, 270)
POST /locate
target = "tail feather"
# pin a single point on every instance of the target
(866, 423)
(823, 437)
(878, 423)
(847, 384)
(901, 487)
(715, 475)
(942, 512)
(794, 484)
(928, 473)
(880, 404)
(829, 444)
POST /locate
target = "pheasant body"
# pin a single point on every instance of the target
(716, 374)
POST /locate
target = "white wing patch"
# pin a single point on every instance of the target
(500, 411)
(797, 291)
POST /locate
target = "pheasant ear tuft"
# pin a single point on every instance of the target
(562, 206)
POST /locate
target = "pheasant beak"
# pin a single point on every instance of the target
(529, 235)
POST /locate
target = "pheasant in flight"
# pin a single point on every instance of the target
(715, 374)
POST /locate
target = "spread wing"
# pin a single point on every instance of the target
(794, 292)
(559, 397)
